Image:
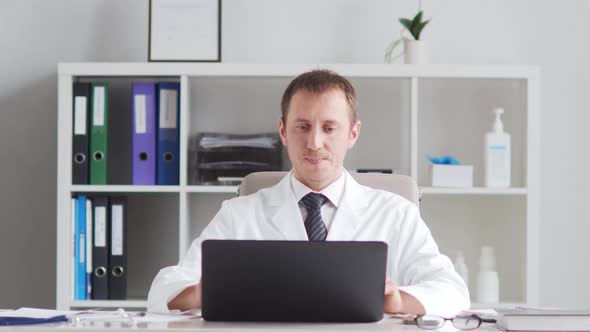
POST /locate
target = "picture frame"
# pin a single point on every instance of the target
(184, 31)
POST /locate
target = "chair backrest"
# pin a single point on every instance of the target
(402, 185)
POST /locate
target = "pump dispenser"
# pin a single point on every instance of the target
(498, 125)
(497, 154)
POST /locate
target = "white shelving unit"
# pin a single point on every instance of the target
(474, 191)
(134, 304)
(406, 110)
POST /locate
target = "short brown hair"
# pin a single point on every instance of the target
(319, 81)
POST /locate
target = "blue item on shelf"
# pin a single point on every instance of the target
(444, 160)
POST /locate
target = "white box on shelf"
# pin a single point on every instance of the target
(455, 176)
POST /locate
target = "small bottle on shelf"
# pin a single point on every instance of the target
(488, 285)
(497, 154)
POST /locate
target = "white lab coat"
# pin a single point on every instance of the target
(364, 214)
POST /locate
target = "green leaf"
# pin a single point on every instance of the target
(415, 25)
(418, 29)
(415, 31)
(417, 19)
(406, 23)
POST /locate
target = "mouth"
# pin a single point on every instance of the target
(314, 160)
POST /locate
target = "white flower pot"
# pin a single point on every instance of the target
(416, 52)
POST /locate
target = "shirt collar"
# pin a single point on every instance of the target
(333, 192)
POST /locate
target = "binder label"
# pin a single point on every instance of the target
(117, 231)
(140, 116)
(98, 107)
(168, 107)
(79, 115)
(100, 226)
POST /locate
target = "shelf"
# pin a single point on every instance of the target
(124, 189)
(131, 69)
(153, 189)
(503, 305)
(212, 189)
(110, 304)
(473, 191)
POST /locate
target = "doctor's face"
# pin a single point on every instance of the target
(318, 133)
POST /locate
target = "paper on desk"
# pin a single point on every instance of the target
(155, 318)
(99, 315)
(36, 313)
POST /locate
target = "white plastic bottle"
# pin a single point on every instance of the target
(461, 268)
(497, 155)
(488, 285)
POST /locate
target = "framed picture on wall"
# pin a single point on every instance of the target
(185, 30)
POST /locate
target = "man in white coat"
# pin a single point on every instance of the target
(319, 124)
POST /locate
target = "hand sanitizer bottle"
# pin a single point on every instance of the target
(497, 155)
(488, 285)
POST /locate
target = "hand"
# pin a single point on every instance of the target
(397, 301)
(188, 299)
(199, 294)
(393, 297)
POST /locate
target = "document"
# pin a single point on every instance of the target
(209, 142)
(98, 315)
(36, 313)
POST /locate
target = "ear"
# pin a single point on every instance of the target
(283, 132)
(354, 134)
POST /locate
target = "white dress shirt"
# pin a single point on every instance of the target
(333, 192)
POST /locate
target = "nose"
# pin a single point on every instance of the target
(315, 140)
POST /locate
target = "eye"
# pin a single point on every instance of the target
(302, 127)
(329, 129)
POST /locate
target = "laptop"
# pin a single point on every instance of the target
(293, 281)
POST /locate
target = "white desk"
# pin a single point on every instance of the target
(387, 324)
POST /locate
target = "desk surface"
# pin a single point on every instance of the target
(387, 324)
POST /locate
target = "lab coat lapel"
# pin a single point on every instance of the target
(347, 218)
(284, 213)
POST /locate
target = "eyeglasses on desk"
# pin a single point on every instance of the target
(461, 322)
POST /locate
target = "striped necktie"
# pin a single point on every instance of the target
(314, 225)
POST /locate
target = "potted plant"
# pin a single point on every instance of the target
(415, 50)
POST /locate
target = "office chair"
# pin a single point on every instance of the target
(402, 185)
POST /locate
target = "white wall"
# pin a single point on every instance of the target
(36, 34)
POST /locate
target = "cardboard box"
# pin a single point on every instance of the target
(454, 176)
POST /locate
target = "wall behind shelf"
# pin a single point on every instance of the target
(152, 227)
(455, 115)
(41, 33)
(465, 223)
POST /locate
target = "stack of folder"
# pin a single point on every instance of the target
(217, 156)
(100, 247)
(89, 164)
(154, 133)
